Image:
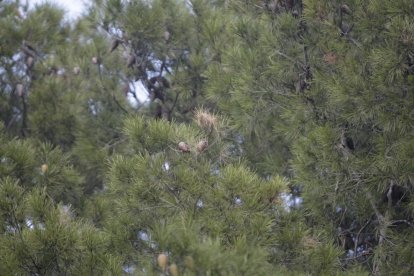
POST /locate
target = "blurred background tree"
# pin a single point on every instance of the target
(207, 137)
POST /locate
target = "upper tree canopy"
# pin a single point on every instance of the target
(249, 103)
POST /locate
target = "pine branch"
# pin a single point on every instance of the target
(364, 253)
(104, 88)
(383, 225)
(20, 235)
(399, 221)
(357, 236)
(175, 102)
(24, 120)
(389, 195)
(378, 214)
(119, 105)
(288, 58)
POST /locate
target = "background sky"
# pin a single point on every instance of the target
(73, 8)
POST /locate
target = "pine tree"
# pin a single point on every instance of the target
(166, 46)
(277, 138)
(333, 80)
(42, 193)
(180, 190)
(62, 97)
(358, 157)
(262, 84)
(39, 199)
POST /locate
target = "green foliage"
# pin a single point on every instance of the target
(40, 165)
(160, 187)
(277, 138)
(331, 80)
(41, 237)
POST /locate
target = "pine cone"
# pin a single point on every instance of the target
(173, 270)
(95, 60)
(76, 70)
(19, 89)
(183, 147)
(202, 145)
(29, 61)
(167, 35)
(162, 261)
(345, 9)
(44, 168)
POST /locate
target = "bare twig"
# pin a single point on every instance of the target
(357, 236)
(24, 120)
(402, 221)
(288, 58)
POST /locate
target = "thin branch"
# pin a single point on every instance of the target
(162, 67)
(399, 221)
(24, 120)
(119, 105)
(357, 236)
(104, 88)
(367, 253)
(374, 207)
(288, 58)
(383, 225)
(305, 50)
(389, 195)
(12, 121)
(175, 102)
